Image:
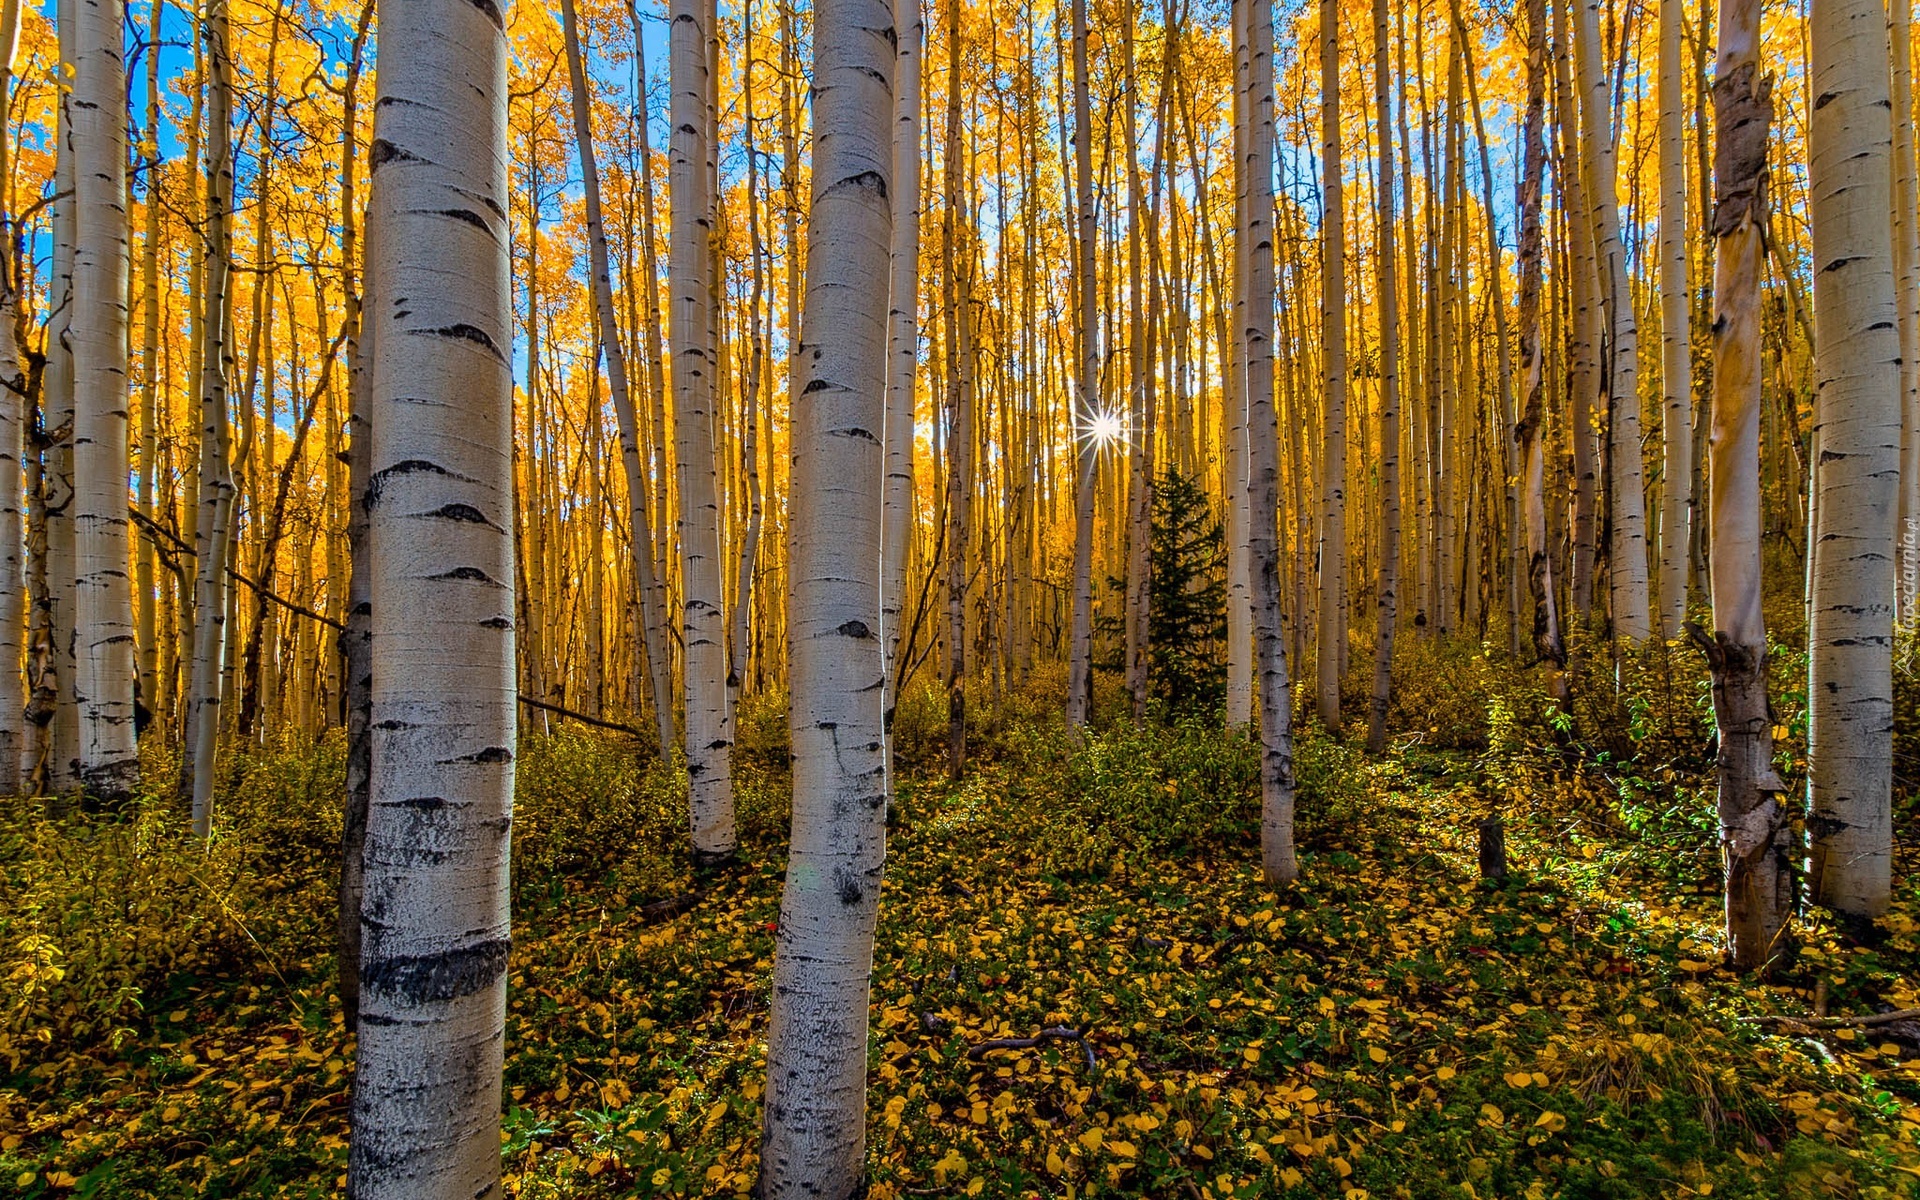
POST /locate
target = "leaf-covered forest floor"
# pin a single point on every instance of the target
(1390, 1027)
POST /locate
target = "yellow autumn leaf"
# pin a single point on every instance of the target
(1492, 1114)
(1550, 1121)
(1092, 1138)
(1376, 1054)
(1444, 1074)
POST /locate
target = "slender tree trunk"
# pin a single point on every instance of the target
(1530, 431)
(145, 593)
(652, 616)
(1627, 548)
(1389, 285)
(1856, 473)
(1086, 383)
(1583, 343)
(1676, 335)
(13, 591)
(1263, 493)
(216, 483)
(813, 1141)
(1755, 843)
(426, 1097)
(903, 350)
(957, 279)
(1233, 424)
(1333, 339)
(709, 723)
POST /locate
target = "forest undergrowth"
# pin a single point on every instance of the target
(1390, 1027)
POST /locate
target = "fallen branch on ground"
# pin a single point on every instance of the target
(1058, 1033)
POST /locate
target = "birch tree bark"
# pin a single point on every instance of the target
(813, 1140)
(1906, 269)
(63, 740)
(957, 281)
(1277, 860)
(903, 349)
(1754, 839)
(1389, 285)
(215, 501)
(1529, 432)
(1856, 472)
(13, 581)
(434, 917)
(1627, 547)
(1333, 339)
(1086, 383)
(1240, 671)
(652, 599)
(1676, 335)
(109, 763)
(709, 723)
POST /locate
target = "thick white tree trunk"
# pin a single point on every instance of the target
(215, 501)
(1627, 547)
(709, 719)
(1086, 383)
(1676, 334)
(1906, 267)
(434, 915)
(652, 594)
(109, 761)
(1856, 473)
(1277, 860)
(1332, 639)
(903, 349)
(813, 1141)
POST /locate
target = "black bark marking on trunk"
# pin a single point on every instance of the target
(854, 629)
(467, 333)
(437, 978)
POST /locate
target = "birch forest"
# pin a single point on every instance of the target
(1010, 598)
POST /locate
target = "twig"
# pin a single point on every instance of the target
(1885, 1018)
(1058, 1033)
(179, 544)
(583, 718)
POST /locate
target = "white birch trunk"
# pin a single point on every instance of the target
(1333, 339)
(1856, 472)
(709, 719)
(813, 1141)
(103, 595)
(63, 740)
(434, 915)
(903, 350)
(1234, 390)
(1086, 383)
(1277, 860)
(1627, 547)
(1754, 840)
(1676, 335)
(13, 580)
(215, 501)
(1906, 266)
(1389, 285)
